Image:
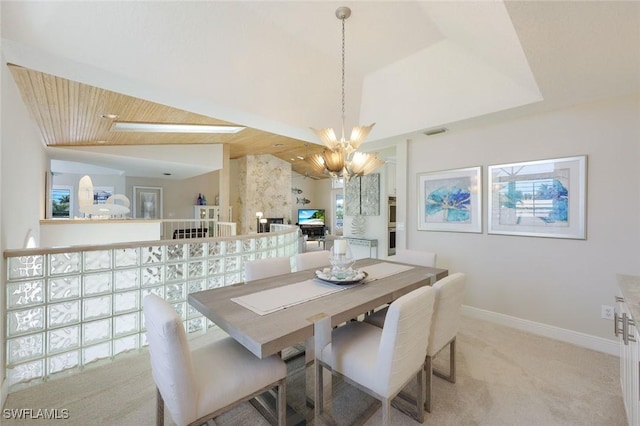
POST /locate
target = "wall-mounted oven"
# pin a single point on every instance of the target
(392, 241)
(391, 212)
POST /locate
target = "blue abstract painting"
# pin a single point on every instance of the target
(448, 200)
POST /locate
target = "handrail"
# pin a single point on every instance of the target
(90, 247)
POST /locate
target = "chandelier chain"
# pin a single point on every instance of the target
(343, 114)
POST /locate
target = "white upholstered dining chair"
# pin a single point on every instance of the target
(381, 362)
(265, 268)
(312, 259)
(415, 257)
(444, 327)
(200, 385)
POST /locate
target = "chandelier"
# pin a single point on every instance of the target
(340, 158)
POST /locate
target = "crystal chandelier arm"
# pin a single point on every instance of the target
(317, 163)
(363, 163)
(334, 160)
(327, 136)
(358, 135)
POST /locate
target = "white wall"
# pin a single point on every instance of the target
(22, 178)
(57, 233)
(178, 196)
(316, 191)
(558, 282)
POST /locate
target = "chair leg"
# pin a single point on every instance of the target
(159, 408)
(452, 364)
(318, 391)
(420, 396)
(452, 361)
(282, 402)
(386, 412)
(428, 369)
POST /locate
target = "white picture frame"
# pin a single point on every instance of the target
(543, 198)
(450, 200)
(147, 202)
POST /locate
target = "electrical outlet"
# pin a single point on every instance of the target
(606, 312)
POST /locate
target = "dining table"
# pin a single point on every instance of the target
(270, 315)
(265, 334)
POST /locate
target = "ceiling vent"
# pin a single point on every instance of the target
(437, 131)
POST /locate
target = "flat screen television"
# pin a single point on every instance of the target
(310, 217)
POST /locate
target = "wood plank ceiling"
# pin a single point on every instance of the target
(69, 113)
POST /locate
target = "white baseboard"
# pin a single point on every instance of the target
(4, 392)
(588, 341)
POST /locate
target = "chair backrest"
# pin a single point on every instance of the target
(415, 257)
(403, 344)
(265, 268)
(446, 311)
(312, 259)
(171, 364)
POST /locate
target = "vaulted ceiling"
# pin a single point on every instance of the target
(275, 67)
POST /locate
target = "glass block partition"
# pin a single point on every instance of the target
(70, 307)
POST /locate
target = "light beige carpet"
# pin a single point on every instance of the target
(505, 377)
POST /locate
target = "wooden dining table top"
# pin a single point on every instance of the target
(265, 335)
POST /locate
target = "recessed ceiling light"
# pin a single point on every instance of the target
(101, 142)
(277, 145)
(125, 126)
(109, 116)
(299, 157)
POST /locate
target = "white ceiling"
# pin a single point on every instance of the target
(275, 65)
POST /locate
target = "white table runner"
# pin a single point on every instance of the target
(383, 270)
(274, 299)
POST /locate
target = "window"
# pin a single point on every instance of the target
(62, 202)
(339, 212)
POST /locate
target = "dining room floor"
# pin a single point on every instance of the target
(504, 377)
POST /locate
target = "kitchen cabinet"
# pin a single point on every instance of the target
(627, 306)
(207, 212)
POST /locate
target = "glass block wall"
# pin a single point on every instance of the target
(69, 308)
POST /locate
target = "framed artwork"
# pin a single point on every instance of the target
(450, 200)
(362, 195)
(352, 197)
(147, 202)
(370, 194)
(545, 198)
